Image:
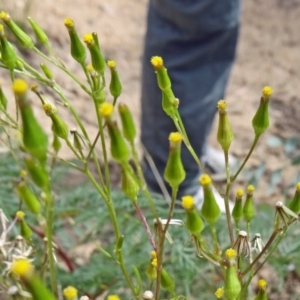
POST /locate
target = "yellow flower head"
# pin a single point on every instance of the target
(298, 187)
(250, 188)
(239, 193)
(4, 16)
(157, 62)
(153, 255)
(204, 179)
(88, 39)
(90, 68)
(69, 23)
(70, 293)
(262, 284)
(1, 27)
(20, 86)
(20, 215)
(106, 109)
(188, 202)
(219, 292)
(222, 105)
(154, 262)
(111, 64)
(22, 267)
(175, 137)
(113, 297)
(23, 173)
(47, 108)
(230, 253)
(267, 91)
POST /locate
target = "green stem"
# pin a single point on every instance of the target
(113, 217)
(160, 244)
(142, 181)
(49, 234)
(246, 159)
(226, 199)
(215, 239)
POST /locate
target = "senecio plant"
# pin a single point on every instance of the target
(21, 278)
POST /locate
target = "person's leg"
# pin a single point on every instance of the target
(197, 40)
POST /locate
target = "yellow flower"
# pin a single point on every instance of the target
(187, 202)
(204, 179)
(90, 68)
(69, 23)
(22, 267)
(153, 255)
(230, 253)
(267, 91)
(250, 188)
(70, 293)
(157, 62)
(175, 137)
(219, 292)
(23, 173)
(1, 27)
(106, 109)
(20, 86)
(298, 186)
(4, 16)
(20, 215)
(111, 64)
(88, 39)
(240, 193)
(113, 297)
(154, 262)
(262, 284)
(222, 105)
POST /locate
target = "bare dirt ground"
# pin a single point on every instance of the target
(268, 54)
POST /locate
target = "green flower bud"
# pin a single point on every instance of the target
(77, 140)
(129, 185)
(225, 135)
(260, 121)
(118, 147)
(210, 210)
(77, 48)
(28, 197)
(232, 286)
(56, 144)
(3, 99)
(167, 282)
(59, 126)
(24, 39)
(115, 86)
(174, 172)
(23, 268)
(262, 290)
(128, 126)
(20, 65)
(35, 139)
(295, 203)
(25, 230)
(163, 79)
(37, 173)
(168, 104)
(194, 223)
(48, 73)
(8, 53)
(98, 61)
(39, 32)
(249, 208)
(237, 211)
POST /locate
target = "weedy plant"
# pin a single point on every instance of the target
(238, 260)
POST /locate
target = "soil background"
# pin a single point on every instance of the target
(268, 54)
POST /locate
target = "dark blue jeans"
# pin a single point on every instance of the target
(197, 40)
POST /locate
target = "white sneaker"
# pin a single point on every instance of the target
(214, 161)
(220, 201)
